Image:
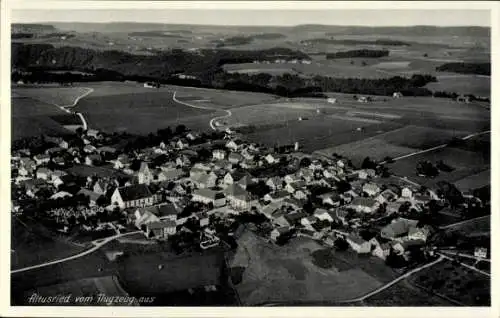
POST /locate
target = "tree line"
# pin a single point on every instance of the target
(357, 53)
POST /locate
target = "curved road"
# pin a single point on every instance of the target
(98, 244)
(213, 120)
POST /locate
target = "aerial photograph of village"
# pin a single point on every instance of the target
(273, 158)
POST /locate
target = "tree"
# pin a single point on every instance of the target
(180, 129)
(368, 164)
(305, 162)
(341, 244)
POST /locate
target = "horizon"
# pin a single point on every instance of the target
(262, 18)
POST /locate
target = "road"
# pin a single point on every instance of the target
(436, 147)
(213, 120)
(97, 245)
(454, 253)
(463, 222)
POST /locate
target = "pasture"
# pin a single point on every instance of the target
(50, 94)
(474, 181)
(288, 274)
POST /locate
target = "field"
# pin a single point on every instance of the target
(474, 181)
(465, 84)
(286, 274)
(459, 283)
(50, 94)
(33, 244)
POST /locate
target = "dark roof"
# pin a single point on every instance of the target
(134, 192)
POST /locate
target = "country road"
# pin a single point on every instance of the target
(213, 120)
(98, 244)
(436, 147)
(382, 288)
(465, 265)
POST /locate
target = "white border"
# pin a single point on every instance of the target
(7, 310)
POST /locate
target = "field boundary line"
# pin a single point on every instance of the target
(463, 222)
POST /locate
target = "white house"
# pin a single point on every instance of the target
(270, 159)
(207, 196)
(406, 193)
(371, 189)
(358, 244)
(323, 215)
(365, 205)
(218, 154)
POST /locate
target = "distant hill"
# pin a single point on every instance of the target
(32, 28)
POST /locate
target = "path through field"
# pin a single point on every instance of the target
(213, 120)
(98, 244)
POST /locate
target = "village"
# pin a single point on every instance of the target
(200, 190)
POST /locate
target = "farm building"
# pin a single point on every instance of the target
(463, 99)
(331, 100)
(397, 95)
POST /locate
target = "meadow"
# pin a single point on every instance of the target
(287, 273)
(465, 84)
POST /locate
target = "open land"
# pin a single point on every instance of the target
(33, 244)
(457, 282)
(287, 274)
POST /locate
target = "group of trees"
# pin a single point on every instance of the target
(358, 53)
(466, 68)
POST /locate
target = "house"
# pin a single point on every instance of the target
(270, 209)
(300, 195)
(93, 196)
(382, 251)
(161, 230)
(92, 160)
(235, 158)
(166, 211)
(295, 186)
(397, 228)
(228, 179)
(277, 232)
(204, 180)
(402, 247)
(330, 198)
(94, 133)
(481, 252)
(393, 207)
(192, 136)
(43, 173)
(270, 159)
(144, 175)
(237, 197)
(371, 189)
(463, 99)
(275, 183)
(419, 233)
(331, 100)
(123, 161)
(245, 181)
(59, 161)
(89, 149)
(182, 161)
(363, 99)
(341, 216)
(406, 193)
(64, 144)
(207, 196)
(27, 167)
(170, 175)
(358, 244)
(41, 159)
(106, 150)
(365, 205)
(247, 154)
(323, 215)
(203, 219)
(137, 195)
(397, 95)
(248, 164)
(276, 196)
(100, 187)
(60, 195)
(421, 199)
(308, 221)
(233, 145)
(181, 144)
(386, 196)
(218, 154)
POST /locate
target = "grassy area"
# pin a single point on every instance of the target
(457, 282)
(52, 95)
(421, 137)
(464, 162)
(474, 181)
(288, 273)
(150, 110)
(33, 244)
